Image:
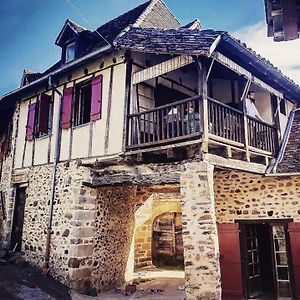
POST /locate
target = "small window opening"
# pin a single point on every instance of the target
(282, 107)
(82, 108)
(70, 52)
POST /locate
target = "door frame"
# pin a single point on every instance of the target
(243, 251)
(15, 206)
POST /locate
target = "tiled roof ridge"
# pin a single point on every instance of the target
(146, 12)
(75, 25)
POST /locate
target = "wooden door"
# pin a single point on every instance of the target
(294, 232)
(230, 261)
(18, 219)
(252, 261)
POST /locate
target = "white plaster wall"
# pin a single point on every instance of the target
(80, 144)
(20, 142)
(117, 111)
(263, 104)
(99, 125)
(65, 144)
(41, 151)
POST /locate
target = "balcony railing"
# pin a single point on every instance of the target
(183, 120)
(173, 122)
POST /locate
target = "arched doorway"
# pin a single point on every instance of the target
(167, 243)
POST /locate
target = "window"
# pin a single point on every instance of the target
(85, 100)
(38, 120)
(70, 52)
(82, 107)
(282, 107)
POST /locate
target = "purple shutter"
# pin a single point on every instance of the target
(43, 117)
(67, 108)
(30, 122)
(96, 103)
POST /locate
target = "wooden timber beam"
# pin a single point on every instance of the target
(242, 71)
(162, 68)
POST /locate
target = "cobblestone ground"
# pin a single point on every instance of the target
(26, 283)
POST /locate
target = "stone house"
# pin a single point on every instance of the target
(140, 133)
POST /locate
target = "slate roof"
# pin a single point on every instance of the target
(112, 28)
(289, 162)
(195, 24)
(171, 41)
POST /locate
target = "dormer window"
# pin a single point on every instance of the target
(70, 52)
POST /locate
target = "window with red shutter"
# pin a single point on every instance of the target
(66, 108)
(96, 98)
(30, 122)
(43, 115)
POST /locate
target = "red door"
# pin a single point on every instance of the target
(230, 261)
(294, 231)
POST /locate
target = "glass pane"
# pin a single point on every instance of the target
(281, 259)
(250, 270)
(249, 244)
(284, 289)
(250, 257)
(255, 256)
(256, 269)
(282, 273)
(278, 231)
(279, 245)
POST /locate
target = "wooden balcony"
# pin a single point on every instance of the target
(184, 120)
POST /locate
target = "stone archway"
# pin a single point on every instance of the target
(140, 257)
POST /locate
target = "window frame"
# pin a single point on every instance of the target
(79, 103)
(68, 46)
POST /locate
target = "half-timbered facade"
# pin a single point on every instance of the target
(138, 145)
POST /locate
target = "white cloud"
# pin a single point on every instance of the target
(284, 55)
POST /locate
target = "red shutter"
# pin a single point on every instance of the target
(30, 122)
(294, 232)
(67, 108)
(96, 98)
(230, 261)
(43, 117)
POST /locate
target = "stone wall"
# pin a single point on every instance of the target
(114, 225)
(200, 238)
(6, 211)
(241, 195)
(72, 225)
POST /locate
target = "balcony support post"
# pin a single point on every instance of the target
(246, 129)
(202, 91)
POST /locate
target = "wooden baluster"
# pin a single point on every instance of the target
(177, 116)
(164, 123)
(182, 119)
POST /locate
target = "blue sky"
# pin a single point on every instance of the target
(28, 28)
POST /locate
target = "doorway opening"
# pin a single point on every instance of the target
(266, 261)
(167, 243)
(18, 219)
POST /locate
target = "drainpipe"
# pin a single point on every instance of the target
(53, 177)
(285, 140)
